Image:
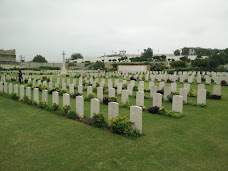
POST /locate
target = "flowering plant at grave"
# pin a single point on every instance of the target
(201, 105)
(215, 96)
(98, 121)
(223, 83)
(163, 111)
(153, 110)
(80, 115)
(126, 105)
(191, 93)
(122, 125)
(90, 96)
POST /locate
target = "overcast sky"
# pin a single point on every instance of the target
(95, 27)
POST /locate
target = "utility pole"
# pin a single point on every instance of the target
(22, 58)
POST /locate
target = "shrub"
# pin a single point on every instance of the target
(135, 88)
(98, 121)
(61, 92)
(54, 107)
(216, 97)
(170, 97)
(223, 83)
(90, 96)
(121, 125)
(132, 78)
(208, 96)
(29, 85)
(165, 112)
(42, 105)
(161, 91)
(71, 115)
(28, 101)
(14, 96)
(169, 80)
(153, 110)
(112, 99)
(191, 93)
(105, 100)
(66, 110)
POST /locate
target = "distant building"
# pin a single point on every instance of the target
(123, 53)
(190, 51)
(7, 56)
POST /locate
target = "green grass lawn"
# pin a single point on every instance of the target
(34, 139)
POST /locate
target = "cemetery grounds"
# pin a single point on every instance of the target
(35, 139)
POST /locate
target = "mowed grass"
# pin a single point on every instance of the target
(34, 139)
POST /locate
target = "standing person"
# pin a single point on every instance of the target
(20, 77)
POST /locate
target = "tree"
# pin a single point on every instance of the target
(185, 51)
(178, 64)
(177, 52)
(184, 58)
(148, 53)
(98, 65)
(76, 56)
(39, 58)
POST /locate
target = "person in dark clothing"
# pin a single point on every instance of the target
(20, 77)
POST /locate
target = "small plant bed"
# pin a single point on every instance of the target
(191, 103)
(165, 112)
(106, 100)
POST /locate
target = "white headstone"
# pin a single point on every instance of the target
(100, 93)
(16, 89)
(66, 99)
(95, 107)
(201, 97)
(167, 91)
(119, 88)
(22, 92)
(124, 96)
(10, 88)
(173, 87)
(80, 106)
(157, 100)
(80, 89)
(136, 117)
(184, 94)
(71, 88)
(36, 95)
(28, 93)
(111, 92)
(55, 97)
(89, 90)
(217, 89)
(139, 98)
(177, 103)
(45, 96)
(113, 110)
(153, 89)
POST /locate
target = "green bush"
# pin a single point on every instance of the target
(122, 125)
(191, 93)
(170, 113)
(54, 107)
(98, 121)
(90, 96)
(14, 96)
(66, 110)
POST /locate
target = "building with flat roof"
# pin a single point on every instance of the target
(7, 56)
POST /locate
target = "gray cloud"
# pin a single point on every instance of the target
(99, 26)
